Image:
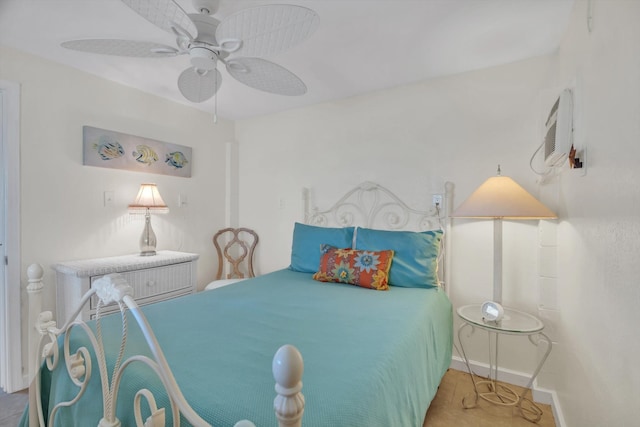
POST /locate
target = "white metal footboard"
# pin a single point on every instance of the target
(43, 334)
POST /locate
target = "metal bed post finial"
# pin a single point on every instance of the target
(288, 367)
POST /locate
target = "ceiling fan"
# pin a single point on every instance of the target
(239, 41)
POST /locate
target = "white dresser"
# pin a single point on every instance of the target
(166, 275)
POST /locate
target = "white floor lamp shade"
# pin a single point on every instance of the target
(498, 198)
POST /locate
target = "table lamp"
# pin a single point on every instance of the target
(498, 198)
(147, 200)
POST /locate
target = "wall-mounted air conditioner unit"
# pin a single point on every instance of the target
(559, 130)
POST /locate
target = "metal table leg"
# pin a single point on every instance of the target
(500, 394)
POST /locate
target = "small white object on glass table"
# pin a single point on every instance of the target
(514, 322)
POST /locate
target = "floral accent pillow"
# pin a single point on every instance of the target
(368, 269)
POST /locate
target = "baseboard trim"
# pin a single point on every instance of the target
(540, 395)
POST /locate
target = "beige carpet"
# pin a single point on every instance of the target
(446, 409)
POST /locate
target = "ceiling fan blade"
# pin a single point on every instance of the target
(270, 29)
(265, 76)
(122, 48)
(165, 14)
(199, 85)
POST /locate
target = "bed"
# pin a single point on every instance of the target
(371, 357)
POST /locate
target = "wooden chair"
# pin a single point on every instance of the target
(238, 252)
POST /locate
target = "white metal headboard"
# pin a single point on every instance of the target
(371, 205)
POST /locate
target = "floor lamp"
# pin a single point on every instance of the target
(500, 197)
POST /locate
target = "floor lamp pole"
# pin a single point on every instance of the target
(497, 260)
(497, 283)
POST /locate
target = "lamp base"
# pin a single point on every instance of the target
(148, 238)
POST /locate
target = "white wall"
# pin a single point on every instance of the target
(62, 211)
(597, 373)
(410, 139)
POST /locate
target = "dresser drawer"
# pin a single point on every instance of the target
(168, 274)
(155, 282)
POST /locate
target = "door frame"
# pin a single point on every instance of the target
(14, 377)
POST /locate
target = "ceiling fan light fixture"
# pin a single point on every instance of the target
(240, 41)
(203, 58)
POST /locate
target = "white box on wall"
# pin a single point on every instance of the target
(548, 233)
(548, 261)
(548, 292)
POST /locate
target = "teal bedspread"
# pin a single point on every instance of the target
(371, 358)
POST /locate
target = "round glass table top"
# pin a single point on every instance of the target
(513, 322)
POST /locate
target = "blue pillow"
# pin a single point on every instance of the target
(415, 260)
(305, 251)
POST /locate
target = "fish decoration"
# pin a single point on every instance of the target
(145, 154)
(108, 147)
(114, 150)
(176, 159)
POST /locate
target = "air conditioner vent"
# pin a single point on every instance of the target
(559, 130)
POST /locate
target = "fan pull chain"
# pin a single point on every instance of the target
(215, 101)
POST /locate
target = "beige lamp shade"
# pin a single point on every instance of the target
(501, 197)
(148, 198)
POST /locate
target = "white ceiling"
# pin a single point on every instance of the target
(360, 45)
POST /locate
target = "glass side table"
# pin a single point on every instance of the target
(514, 322)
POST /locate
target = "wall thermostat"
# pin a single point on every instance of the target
(492, 311)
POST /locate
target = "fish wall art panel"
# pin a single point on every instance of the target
(110, 149)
